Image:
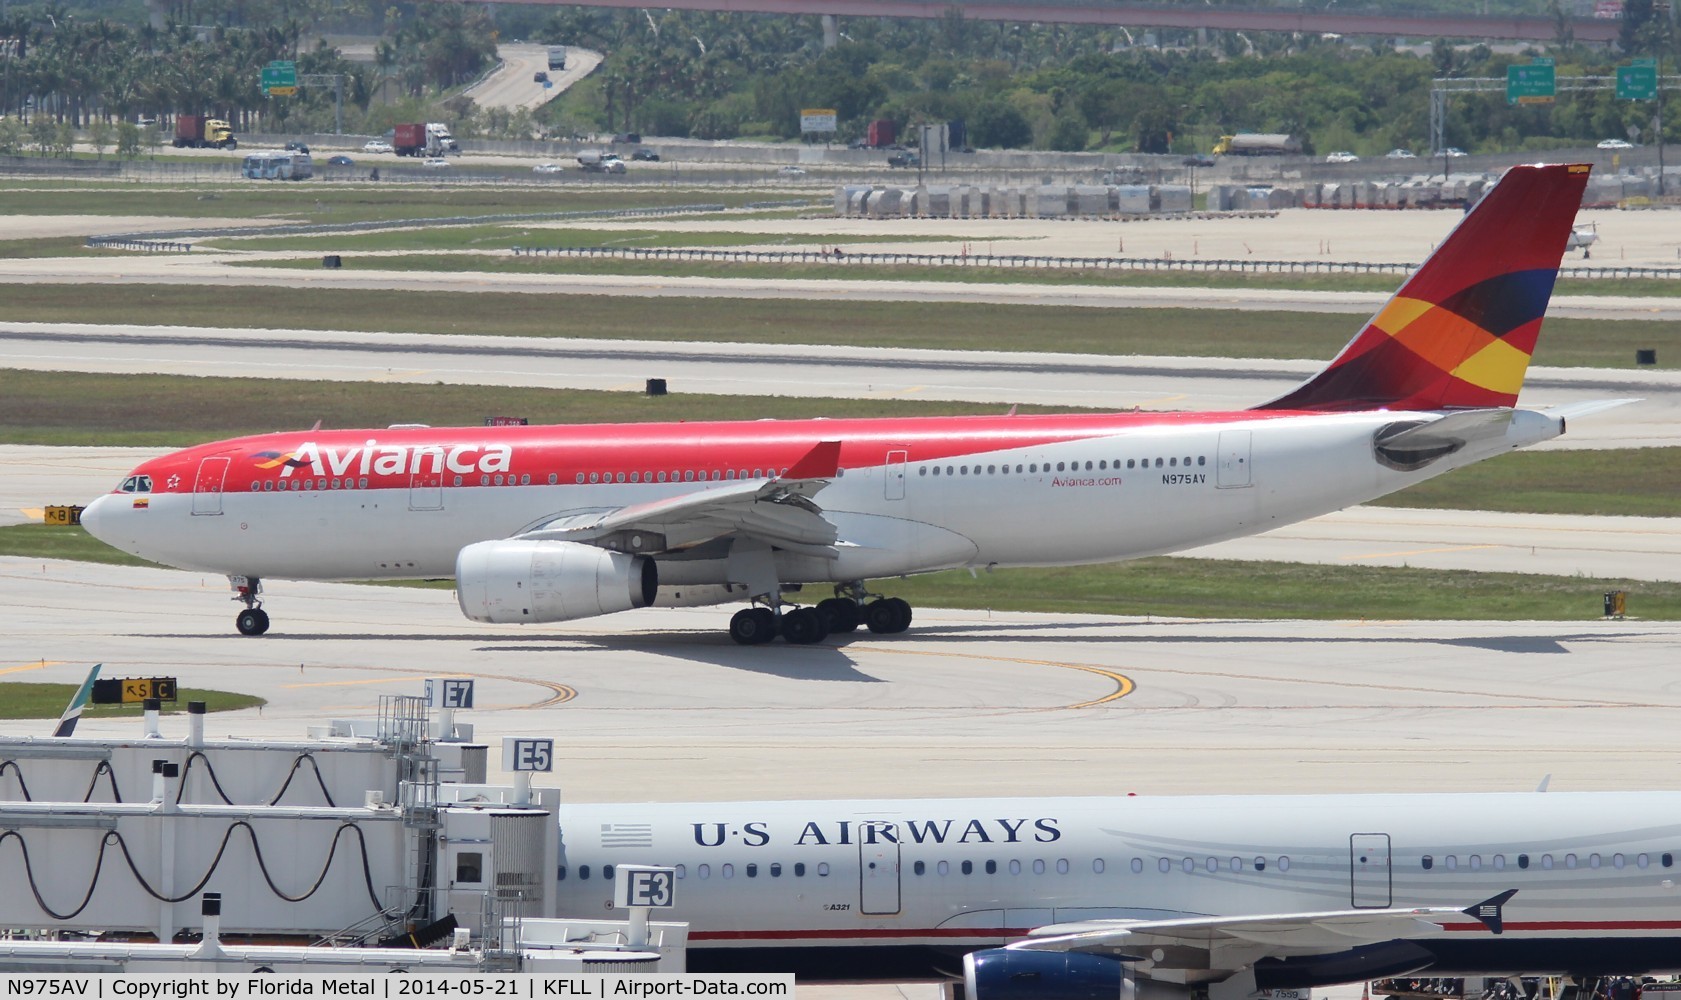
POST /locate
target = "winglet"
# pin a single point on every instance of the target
(1487, 912)
(73, 711)
(821, 462)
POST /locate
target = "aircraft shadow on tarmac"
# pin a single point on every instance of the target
(817, 662)
(828, 661)
(1503, 643)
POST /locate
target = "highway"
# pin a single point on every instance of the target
(511, 84)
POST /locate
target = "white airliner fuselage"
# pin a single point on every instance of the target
(1596, 874)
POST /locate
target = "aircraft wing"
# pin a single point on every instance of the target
(1205, 949)
(779, 511)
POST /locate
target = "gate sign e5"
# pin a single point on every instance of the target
(527, 753)
(449, 692)
(643, 885)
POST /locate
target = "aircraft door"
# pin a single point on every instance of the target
(1369, 878)
(426, 490)
(1233, 472)
(894, 483)
(207, 485)
(878, 867)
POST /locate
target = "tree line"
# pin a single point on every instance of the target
(734, 76)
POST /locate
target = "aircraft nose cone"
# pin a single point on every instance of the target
(95, 517)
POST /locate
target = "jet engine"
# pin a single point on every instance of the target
(511, 580)
(1004, 974)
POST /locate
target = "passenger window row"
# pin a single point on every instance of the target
(1546, 862)
(1034, 467)
(674, 476)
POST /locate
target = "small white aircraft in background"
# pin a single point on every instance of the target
(557, 523)
(1583, 237)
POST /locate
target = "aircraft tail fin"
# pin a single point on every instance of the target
(1459, 333)
(73, 711)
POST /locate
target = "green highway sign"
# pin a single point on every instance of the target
(1533, 84)
(1638, 82)
(282, 77)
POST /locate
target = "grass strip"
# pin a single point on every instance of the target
(1641, 482)
(502, 238)
(1213, 588)
(328, 203)
(957, 326)
(29, 700)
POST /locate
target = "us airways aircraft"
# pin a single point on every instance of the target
(1158, 898)
(547, 524)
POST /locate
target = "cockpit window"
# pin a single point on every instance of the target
(137, 484)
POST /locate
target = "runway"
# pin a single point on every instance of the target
(210, 269)
(662, 705)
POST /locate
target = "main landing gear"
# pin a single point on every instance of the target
(253, 620)
(883, 616)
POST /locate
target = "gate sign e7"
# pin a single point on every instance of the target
(818, 119)
(526, 753)
(643, 885)
(449, 692)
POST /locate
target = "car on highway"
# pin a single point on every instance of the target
(541, 76)
(1400, 154)
(1198, 160)
(297, 147)
(340, 161)
(1341, 156)
(376, 146)
(1615, 144)
(790, 171)
(1451, 151)
(436, 163)
(646, 155)
(904, 158)
(546, 168)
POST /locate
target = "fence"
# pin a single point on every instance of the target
(1157, 264)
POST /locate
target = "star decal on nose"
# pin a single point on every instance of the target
(174, 481)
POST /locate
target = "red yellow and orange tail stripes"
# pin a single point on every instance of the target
(1460, 332)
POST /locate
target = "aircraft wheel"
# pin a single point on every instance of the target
(887, 616)
(803, 626)
(844, 614)
(902, 609)
(252, 621)
(751, 626)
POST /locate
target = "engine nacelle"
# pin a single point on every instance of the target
(1005, 974)
(539, 581)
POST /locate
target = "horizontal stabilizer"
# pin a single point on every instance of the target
(1586, 408)
(1454, 430)
(1488, 912)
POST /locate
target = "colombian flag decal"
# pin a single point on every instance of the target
(143, 503)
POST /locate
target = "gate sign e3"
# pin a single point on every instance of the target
(818, 119)
(527, 753)
(644, 885)
(449, 692)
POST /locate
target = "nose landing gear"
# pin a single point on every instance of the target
(253, 620)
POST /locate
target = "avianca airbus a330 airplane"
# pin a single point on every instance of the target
(547, 524)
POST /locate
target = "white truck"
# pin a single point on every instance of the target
(593, 162)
